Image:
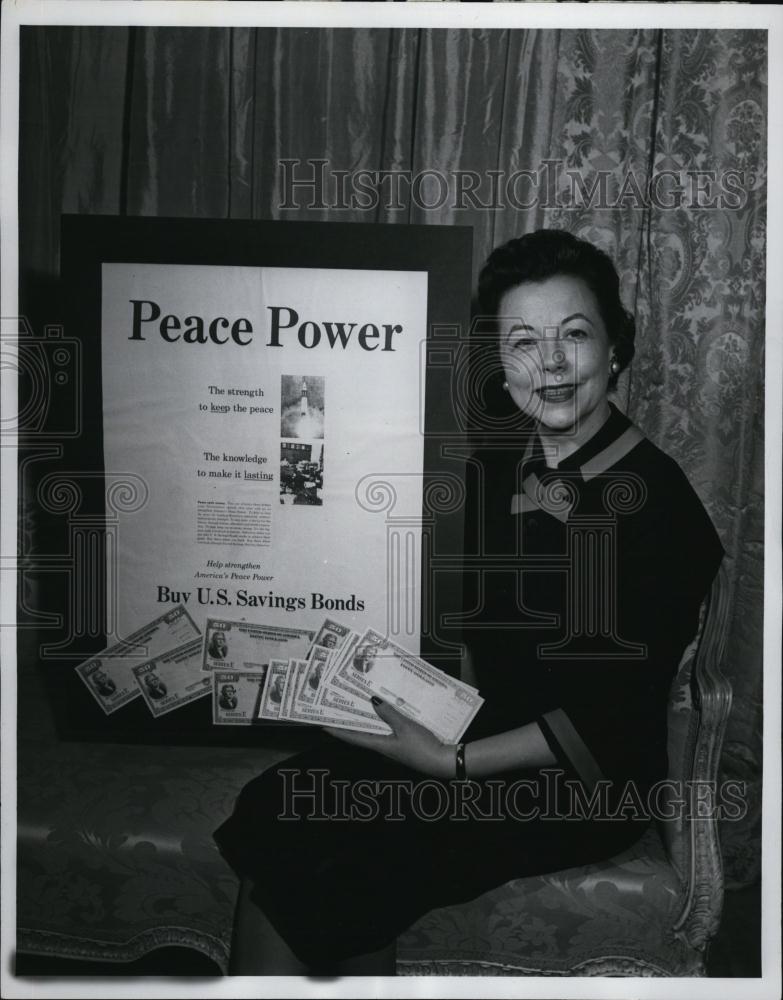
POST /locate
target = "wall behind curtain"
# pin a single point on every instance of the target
(193, 122)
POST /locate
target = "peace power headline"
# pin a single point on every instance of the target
(283, 327)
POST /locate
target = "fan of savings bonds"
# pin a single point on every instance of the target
(262, 672)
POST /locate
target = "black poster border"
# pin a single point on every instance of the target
(87, 242)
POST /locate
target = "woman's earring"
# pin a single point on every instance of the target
(614, 367)
(505, 387)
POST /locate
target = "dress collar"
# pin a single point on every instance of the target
(611, 442)
(611, 429)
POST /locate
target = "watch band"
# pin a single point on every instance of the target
(460, 762)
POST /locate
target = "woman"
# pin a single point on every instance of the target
(588, 555)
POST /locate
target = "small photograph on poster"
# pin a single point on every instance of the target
(302, 406)
(301, 472)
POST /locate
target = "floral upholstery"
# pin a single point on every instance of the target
(115, 848)
(559, 923)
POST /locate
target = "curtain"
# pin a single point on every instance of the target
(196, 122)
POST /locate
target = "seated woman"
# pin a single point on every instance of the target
(588, 555)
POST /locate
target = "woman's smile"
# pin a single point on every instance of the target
(557, 393)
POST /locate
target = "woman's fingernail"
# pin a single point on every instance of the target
(375, 701)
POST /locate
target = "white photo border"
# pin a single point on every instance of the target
(426, 15)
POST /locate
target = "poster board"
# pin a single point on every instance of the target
(268, 415)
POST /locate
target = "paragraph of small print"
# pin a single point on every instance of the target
(229, 522)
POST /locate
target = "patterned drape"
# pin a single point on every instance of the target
(195, 122)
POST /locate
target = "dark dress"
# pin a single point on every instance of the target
(578, 608)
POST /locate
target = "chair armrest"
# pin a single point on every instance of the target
(712, 696)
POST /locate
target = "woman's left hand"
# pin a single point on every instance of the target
(409, 743)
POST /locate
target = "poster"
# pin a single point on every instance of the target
(252, 402)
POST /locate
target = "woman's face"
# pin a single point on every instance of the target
(555, 352)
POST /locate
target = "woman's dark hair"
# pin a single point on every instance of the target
(550, 252)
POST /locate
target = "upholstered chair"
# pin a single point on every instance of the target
(650, 911)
